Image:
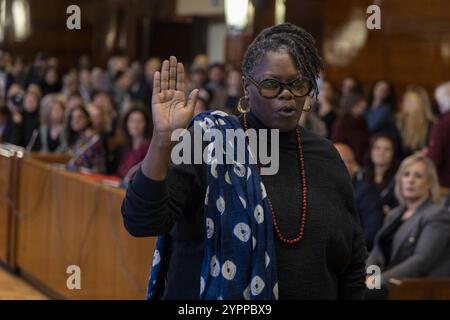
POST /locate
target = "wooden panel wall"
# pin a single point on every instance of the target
(6, 165)
(107, 27)
(412, 47)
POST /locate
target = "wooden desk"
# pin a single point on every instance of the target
(7, 170)
(64, 219)
(420, 289)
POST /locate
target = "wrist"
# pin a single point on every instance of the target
(162, 141)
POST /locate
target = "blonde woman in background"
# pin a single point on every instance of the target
(414, 120)
(415, 238)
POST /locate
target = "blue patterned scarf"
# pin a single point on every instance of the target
(239, 257)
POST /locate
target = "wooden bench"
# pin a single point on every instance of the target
(420, 289)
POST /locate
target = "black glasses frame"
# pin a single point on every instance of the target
(282, 86)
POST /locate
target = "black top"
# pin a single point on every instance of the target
(328, 263)
(29, 124)
(387, 237)
(53, 144)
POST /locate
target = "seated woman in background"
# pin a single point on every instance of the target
(105, 102)
(414, 121)
(351, 127)
(415, 238)
(101, 123)
(84, 144)
(137, 132)
(367, 199)
(380, 108)
(381, 169)
(51, 130)
(28, 122)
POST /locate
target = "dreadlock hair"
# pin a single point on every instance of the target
(289, 38)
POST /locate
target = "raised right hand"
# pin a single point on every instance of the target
(169, 107)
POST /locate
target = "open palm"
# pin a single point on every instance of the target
(169, 107)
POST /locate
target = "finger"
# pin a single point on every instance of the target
(157, 82)
(180, 77)
(165, 75)
(172, 72)
(192, 99)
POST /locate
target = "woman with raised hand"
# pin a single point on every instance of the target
(225, 230)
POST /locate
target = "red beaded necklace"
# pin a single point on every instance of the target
(304, 193)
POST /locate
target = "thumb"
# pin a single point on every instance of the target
(192, 99)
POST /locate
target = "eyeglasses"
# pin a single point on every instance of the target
(271, 88)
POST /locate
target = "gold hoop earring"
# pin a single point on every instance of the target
(243, 105)
(307, 106)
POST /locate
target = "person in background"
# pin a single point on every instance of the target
(137, 134)
(439, 146)
(70, 84)
(351, 127)
(85, 86)
(414, 121)
(8, 132)
(122, 86)
(381, 169)
(75, 100)
(51, 83)
(28, 122)
(79, 136)
(53, 62)
(151, 66)
(380, 108)
(103, 100)
(97, 80)
(367, 199)
(216, 85)
(203, 101)
(200, 61)
(18, 71)
(326, 107)
(36, 72)
(101, 124)
(14, 100)
(139, 90)
(234, 91)
(350, 84)
(312, 122)
(415, 238)
(52, 130)
(198, 78)
(35, 88)
(84, 62)
(100, 120)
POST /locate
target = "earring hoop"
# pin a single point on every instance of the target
(243, 105)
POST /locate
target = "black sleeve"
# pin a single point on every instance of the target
(151, 208)
(352, 282)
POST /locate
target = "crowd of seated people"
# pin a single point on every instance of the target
(102, 118)
(84, 112)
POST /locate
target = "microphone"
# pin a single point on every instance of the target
(82, 150)
(32, 141)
